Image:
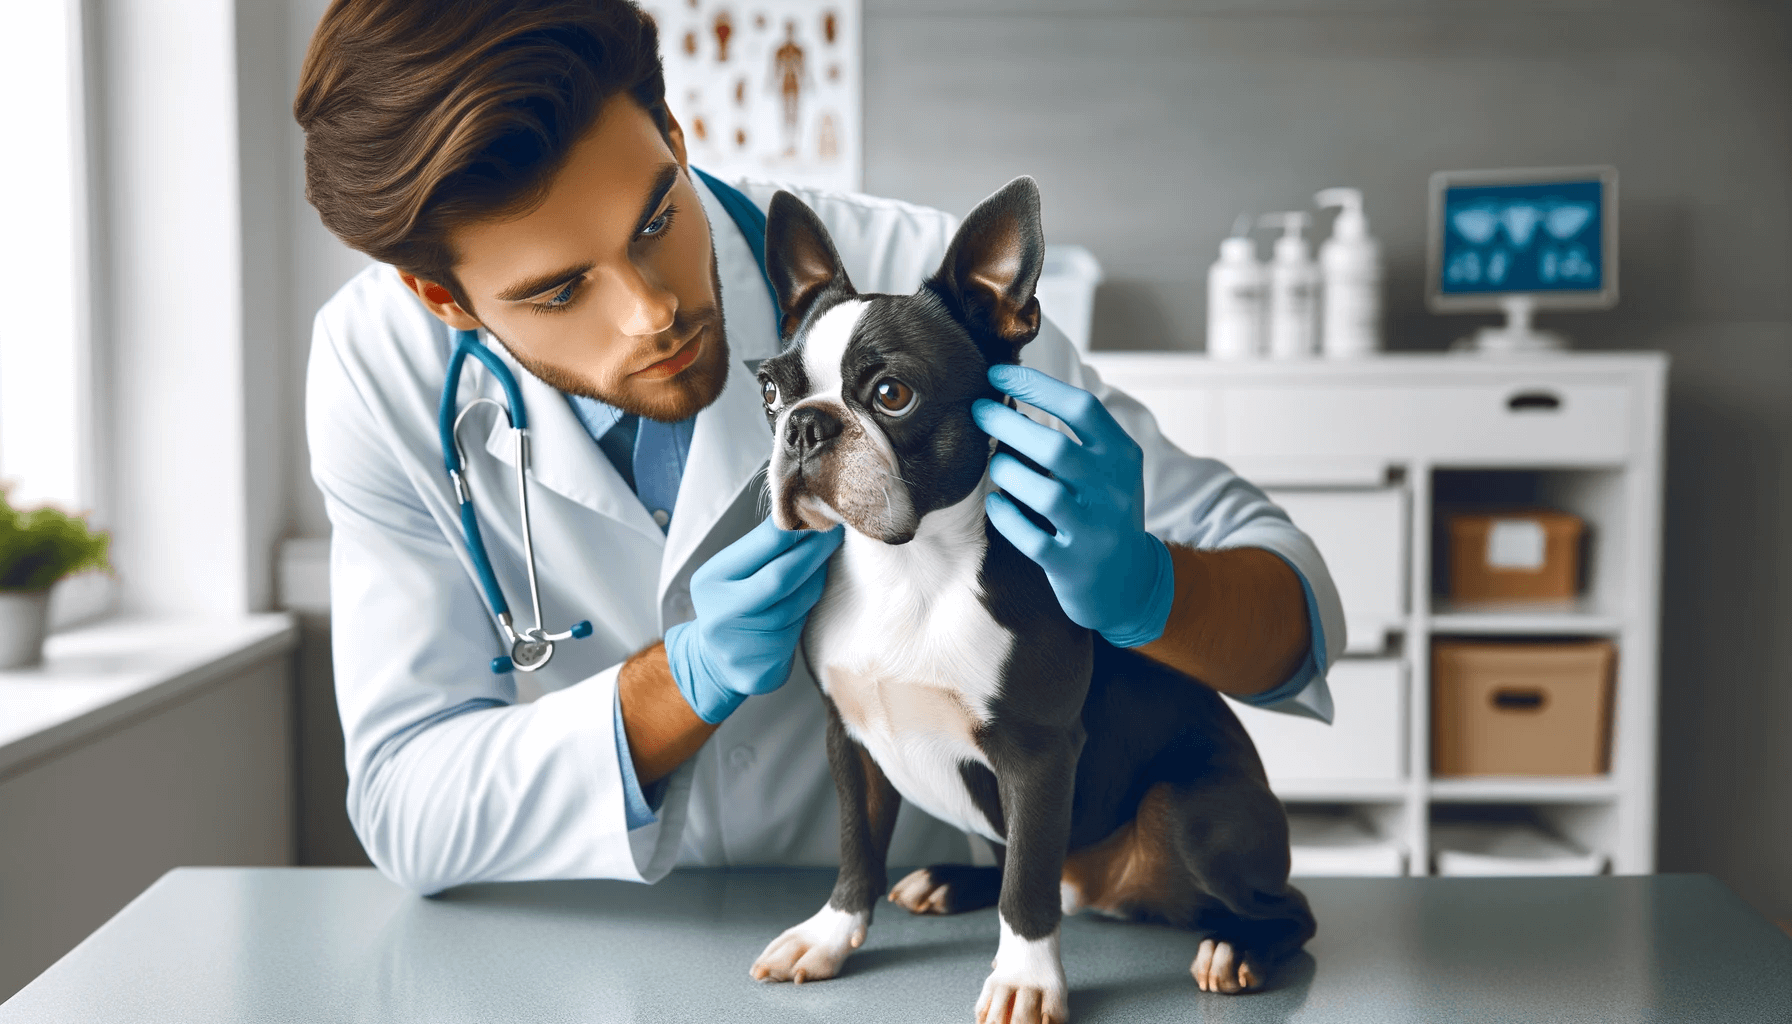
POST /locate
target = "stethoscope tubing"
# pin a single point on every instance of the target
(529, 649)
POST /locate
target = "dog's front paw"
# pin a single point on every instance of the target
(1219, 967)
(1027, 985)
(813, 950)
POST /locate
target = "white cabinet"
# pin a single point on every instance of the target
(1361, 532)
(1360, 453)
(1526, 418)
(1364, 743)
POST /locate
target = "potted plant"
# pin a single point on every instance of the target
(38, 548)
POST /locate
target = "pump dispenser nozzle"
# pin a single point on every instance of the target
(1292, 222)
(1351, 224)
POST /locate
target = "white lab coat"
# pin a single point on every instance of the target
(454, 775)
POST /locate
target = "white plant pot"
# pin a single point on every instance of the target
(23, 618)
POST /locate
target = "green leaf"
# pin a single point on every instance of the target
(40, 546)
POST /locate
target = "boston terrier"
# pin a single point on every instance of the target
(952, 677)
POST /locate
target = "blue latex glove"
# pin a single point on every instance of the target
(751, 600)
(1109, 574)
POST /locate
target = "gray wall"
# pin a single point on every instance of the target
(1150, 125)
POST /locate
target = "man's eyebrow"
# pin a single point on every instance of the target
(542, 282)
(662, 184)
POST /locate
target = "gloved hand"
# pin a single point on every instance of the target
(1109, 574)
(751, 600)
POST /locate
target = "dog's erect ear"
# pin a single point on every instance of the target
(800, 259)
(992, 267)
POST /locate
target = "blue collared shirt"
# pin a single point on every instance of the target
(650, 457)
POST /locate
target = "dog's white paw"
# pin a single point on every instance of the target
(1027, 985)
(813, 950)
(1220, 968)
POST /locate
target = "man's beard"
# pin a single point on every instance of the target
(680, 397)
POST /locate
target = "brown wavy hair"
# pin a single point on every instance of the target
(420, 115)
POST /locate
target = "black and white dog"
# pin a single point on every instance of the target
(952, 677)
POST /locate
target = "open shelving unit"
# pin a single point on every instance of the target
(1365, 454)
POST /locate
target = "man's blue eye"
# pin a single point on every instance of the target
(561, 297)
(657, 224)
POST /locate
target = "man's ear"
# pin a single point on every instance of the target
(992, 267)
(800, 259)
(440, 301)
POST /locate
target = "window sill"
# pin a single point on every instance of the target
(99, 675)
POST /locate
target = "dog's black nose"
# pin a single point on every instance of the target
(809, 428)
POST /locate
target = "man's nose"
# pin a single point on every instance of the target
(641, 308)
(809, 429)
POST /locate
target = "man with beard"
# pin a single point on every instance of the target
(541, 242)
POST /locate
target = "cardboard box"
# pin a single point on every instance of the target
(1514, 555)
(1521, 707)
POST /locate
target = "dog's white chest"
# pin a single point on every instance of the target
(903, 645)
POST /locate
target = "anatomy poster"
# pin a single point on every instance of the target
(765, 88)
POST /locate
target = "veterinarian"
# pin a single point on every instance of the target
(513, 170)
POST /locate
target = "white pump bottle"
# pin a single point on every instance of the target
(1235, 298)
(1350, 263)
(1293, 291)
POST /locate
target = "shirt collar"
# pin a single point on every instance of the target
(598, 417)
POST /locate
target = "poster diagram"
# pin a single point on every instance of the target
(765, 88)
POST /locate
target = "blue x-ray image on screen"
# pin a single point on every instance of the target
(1535, 237)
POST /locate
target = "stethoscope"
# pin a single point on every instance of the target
(531, 648)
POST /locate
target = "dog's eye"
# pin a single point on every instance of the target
(893, 396)
(769, 391)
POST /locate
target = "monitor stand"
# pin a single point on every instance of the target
(1516, 335)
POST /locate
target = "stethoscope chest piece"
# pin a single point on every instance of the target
(528, 654)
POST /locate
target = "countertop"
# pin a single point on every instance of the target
(96, 675)
(327, 944)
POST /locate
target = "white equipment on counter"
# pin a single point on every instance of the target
(1521, 241)
(1350, 266)
(1236, 295)
(1066, 291)
(1293, 290)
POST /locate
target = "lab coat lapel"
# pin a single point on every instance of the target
(562, 456)
(729, 445)
(732, 440)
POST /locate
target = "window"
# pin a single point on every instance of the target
(43, 223)
(46, 385)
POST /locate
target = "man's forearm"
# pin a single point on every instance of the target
(1238, 622)
(662, 729)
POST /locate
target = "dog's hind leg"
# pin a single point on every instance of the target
(948, 888)
(816, 948)
(1231, 836)
(952, 888)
